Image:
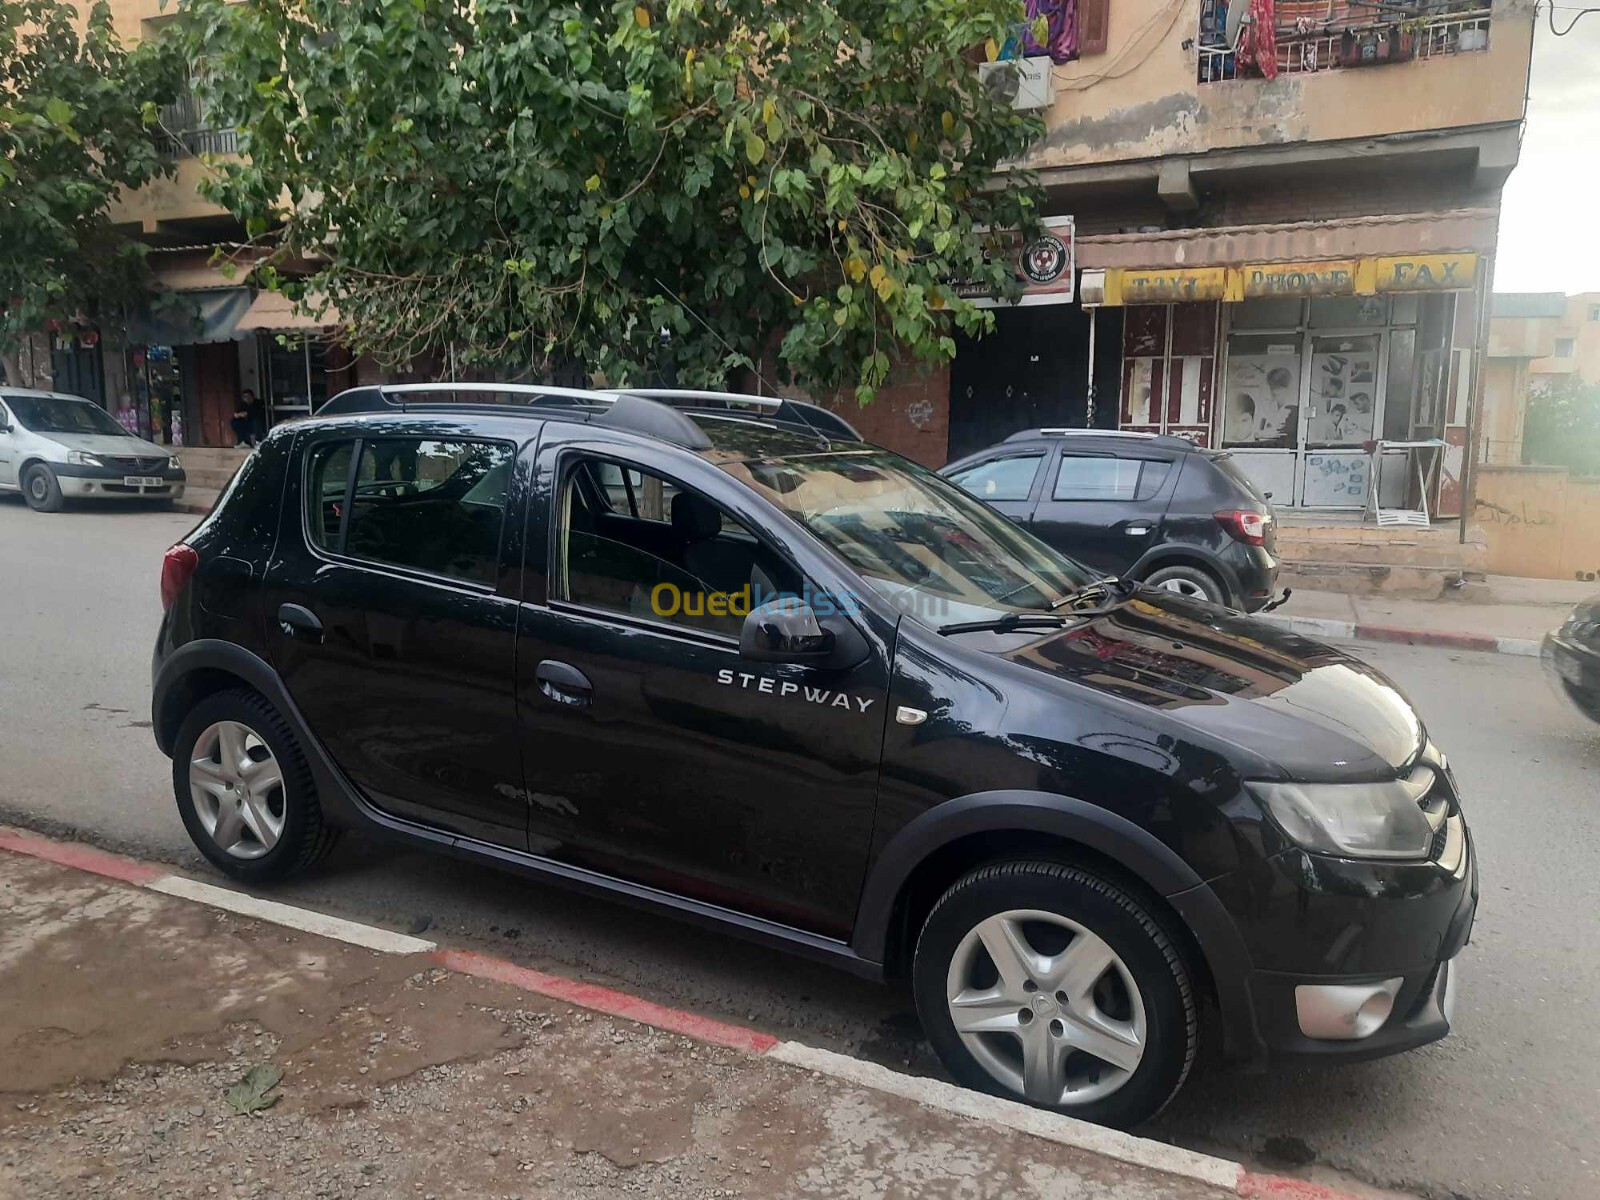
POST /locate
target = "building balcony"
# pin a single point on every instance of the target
(1331, 35)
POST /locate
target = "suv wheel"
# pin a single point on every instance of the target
(41, 489)
(1045, 983)
(244, 790)
(1194, 582)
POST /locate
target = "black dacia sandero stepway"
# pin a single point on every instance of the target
(716, 655)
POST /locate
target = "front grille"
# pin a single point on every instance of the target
(137, 466)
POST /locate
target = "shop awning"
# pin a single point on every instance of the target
(273, 312)
(189, 318)
(1373, 276)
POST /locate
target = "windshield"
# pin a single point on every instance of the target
(936, 552)
(47, 414)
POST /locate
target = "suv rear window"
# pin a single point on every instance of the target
(428, 505)
(1235, 475)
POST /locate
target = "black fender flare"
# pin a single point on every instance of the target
(1136, 850)
(334, 791)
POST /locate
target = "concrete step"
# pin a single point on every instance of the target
(211, 467)
(1417, 581)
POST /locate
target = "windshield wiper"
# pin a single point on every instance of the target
(1123, 588)
(1009, 623)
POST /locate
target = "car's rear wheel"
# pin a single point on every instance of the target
(1194, 582)
(41, 489)
(1048, 984)
(244, 790)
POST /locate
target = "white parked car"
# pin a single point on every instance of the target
(54, 447)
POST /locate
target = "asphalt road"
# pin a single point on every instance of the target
(1509, 1105)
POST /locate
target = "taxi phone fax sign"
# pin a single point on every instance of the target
(1044, 266)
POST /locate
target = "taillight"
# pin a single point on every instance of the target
(1244, 526)
(177, 565)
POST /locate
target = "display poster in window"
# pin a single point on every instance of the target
(1262, 405)
(1141, 393)
(1344, 390)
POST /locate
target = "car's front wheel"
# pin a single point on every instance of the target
(41, 489)
(1045, 983)
(244, 790)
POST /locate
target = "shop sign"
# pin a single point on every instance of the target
(1044, 266)
(1301, 279)
(1427, 272)
(1174, 285)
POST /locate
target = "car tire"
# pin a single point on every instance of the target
(41, 489)
(257, 823)
(1195, 582)
(1093, 971)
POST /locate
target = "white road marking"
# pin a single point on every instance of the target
(1064, 1131)
(302, 919)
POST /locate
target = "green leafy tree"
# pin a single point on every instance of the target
(77, 115)
(526, 183)
(1563, 426)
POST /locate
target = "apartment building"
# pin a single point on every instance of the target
(1283, 248)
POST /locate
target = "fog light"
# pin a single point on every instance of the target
(88, 487)
(1344, 1012)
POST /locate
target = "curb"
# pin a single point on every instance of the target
(1321, 627)
(1145, 1153)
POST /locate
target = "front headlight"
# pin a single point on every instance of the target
(83, 458)
(1351, 820)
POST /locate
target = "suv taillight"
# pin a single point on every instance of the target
(1244, 526)
(177, 565)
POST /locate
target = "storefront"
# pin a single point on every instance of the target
(293, 355)
(1300, 368)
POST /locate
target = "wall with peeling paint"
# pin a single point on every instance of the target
(1141, 98)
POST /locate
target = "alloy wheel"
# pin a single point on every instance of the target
(1046, 1007)
(1184, 587)
(237, 788)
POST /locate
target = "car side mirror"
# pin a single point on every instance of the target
(785, 630)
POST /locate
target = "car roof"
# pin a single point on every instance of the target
(1109, 437)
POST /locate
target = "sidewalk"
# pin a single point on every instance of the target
(1517, 615)
(126, 1015)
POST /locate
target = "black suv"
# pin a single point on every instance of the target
(717, 656)
(1157, 509)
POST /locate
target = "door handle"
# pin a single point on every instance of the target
(300, 622)
(563, 683)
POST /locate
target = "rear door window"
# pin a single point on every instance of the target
(1082, 477)
(424, 504)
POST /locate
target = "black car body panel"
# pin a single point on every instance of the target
(1571, 655)
(654, 763)
(1164, 522)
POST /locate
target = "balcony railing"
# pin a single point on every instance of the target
(1326, 35)
(186, 132)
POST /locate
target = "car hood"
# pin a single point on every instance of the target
(107, 443)
(1313, 711)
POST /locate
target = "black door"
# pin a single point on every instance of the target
(1031, 372)
(655, 753)
(1103, 510)
(394, 624)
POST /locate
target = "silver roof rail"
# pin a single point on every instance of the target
(779, 408)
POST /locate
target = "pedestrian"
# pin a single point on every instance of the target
(244, 419)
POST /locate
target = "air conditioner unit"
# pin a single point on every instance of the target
(1025, 82)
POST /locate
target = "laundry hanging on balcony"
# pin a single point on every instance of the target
(1258, 41)
(1061, 29)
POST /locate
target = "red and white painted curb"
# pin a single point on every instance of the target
(1322, 627)
(1220, 1173)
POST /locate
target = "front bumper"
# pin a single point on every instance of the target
(77, 487)
(1576, 667)
(1326, 935)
